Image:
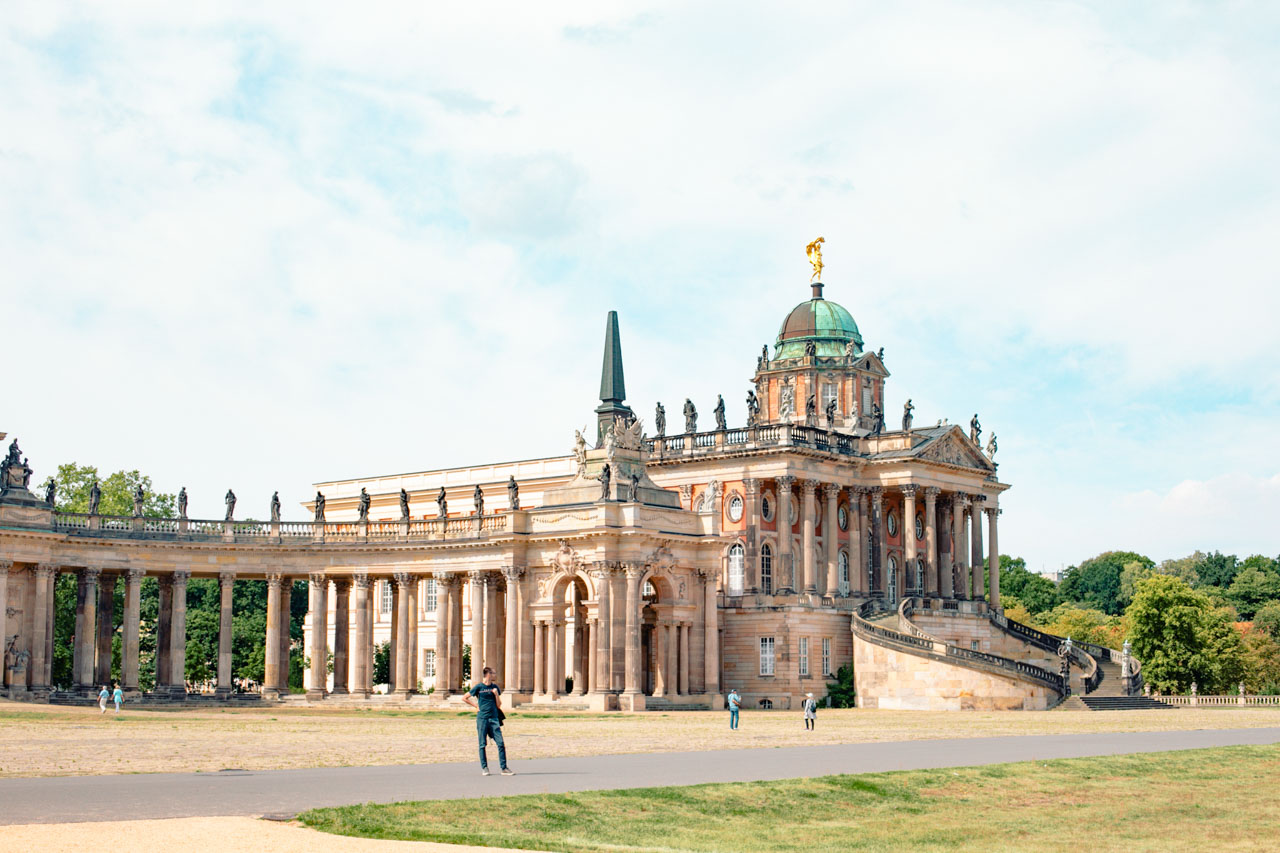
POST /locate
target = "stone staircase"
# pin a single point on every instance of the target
(1110, 694)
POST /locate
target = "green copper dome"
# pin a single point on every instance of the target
(826, 323)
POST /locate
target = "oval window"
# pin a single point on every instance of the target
(735, 508)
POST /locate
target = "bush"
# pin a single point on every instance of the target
(841, 692)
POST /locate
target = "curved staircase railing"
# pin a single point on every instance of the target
(922, 645)
(1095, 653)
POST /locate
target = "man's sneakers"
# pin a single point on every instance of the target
(507, 771)
(484, 771)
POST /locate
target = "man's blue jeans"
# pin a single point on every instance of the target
(733, 718)
(489, 728)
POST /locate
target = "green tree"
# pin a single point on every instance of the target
(1183, 567)
(1181, 638)
(1036, 592)
(1267, 619)
(841, 691)
(1096, 581)
(74, 482)
(1081, 624)
(1252, 588)
(1261, 662)
(382, 663)
(1217, 569)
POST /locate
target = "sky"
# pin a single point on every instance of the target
(259, 246)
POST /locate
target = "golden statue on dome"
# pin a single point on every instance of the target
(814, 251)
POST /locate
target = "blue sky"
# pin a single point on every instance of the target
(258, 247)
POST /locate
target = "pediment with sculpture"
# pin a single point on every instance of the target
(953, 449)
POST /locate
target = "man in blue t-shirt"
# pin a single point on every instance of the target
(484, 697)
(735, 702)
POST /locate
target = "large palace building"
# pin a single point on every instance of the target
(636, 572)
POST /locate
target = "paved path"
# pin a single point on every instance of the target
(161, 795)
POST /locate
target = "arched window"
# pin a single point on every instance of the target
(735, 570)
(766, 569)
(844, 572)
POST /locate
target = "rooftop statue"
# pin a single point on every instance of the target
(139, 498)
(831, 413)
(182, 502)
(814, 251)
(810, 349)
(513, 493)
(906, 415)
(230, 500)
(633, 489)
(877, 416)
(764, 356)
(478, 497)
(275, 507)
(605, 475)
(26, 473)
(991, 447)
(975, 430)
(319, 505)
(811, 406)
(95, 497)
(50, 491)
(660, 421)
(850, 349)
(880, 355)
(753, 407)
(579, 453)
(363, 506)
(718, 411)
(690, 416)
(442, 505)
(404, 505)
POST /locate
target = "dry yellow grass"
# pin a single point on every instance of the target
(38, 740)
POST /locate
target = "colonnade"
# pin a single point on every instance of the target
(951, 548)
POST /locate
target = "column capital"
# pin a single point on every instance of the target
(931, 493)
(877, 496)
(226, 578)
(342, 583)
(317, 577)
(6, 565)
(634, 571)
(91, 573)
(448, 580)
(831, 490)
(751, 485)
(992, 511)
(135, 575)
(181, 576)
(512, 573)
(977, 499)
(909, 490)
(362, 580)
(785, 481)
(275, 578)
(961, 500)
(808, 487)
(46, 570)
(403, 579)
(478, 576)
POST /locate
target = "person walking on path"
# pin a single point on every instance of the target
(484, 697)
(102, 698)
(735, 702)
(810, 706)
(117, 696)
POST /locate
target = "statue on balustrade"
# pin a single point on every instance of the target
(975, 430)
(50, 492)
(230, 500)
(660, 420)
(811, 408)
(404, 505)
(363, 505)
(579, 454)
(605, 476)
(810, 349)
(139, 498)
(877, 417)
(633, 489)
(718, 411)
(275, 507)
(690, 416)
(182, 502)
(991, 447)
(26, 473)
(513, 493)
(319, 508)
(831, 413)
(95, 497)
(906, 415)
(880, 355)
(764, 357)
(13, 469)
(442, 504)
(753, 407)
(851, 349)
(478, 497)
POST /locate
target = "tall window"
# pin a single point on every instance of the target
(385, 598)
(804, 656)
(866, 400)
(844, 572)
(826, 655)
(735, 570)
(766, 655)
(428, 663)
(766, 569)
(828, 394)
(432, 601)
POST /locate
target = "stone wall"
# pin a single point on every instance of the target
(786, 687)
(964, 629)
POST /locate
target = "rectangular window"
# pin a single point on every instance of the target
(826, 655)
(432, 601)
(866, 401)
(428, 663)
(766, 655)
(385, 598)
(804, 656)
(766, 570)
(828, 394)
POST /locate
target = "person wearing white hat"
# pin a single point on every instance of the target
(810, 706)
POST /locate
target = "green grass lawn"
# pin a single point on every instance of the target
(1209, 799)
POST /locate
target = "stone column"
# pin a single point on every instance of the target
(45, 575)
(710, 636)
(858, 555)
(455, 635)
(411, 632)
(961, 546)
(5, 566)
(994, 546)
(603, 680)
(879, 562)
(394, 676)
(946, 557)
(226, 588)
(579, 648)
(831, 530)
(684, 658)
(445, 585)
(593, 653)
(660, 659)
(808, 529)
(88, 640)
(492, 654)
(106, 626)
(178, 633)
(477, 584)
(555, 683)
(932, 580)
(633, 630)
(286, 636)
(975, 547)
(784, 571)
(618, 629)
(318, 600)
(911, 551)
(77, 636)
(361, 675)
(401, 649)
(275, 618)
(164, 633)
(341, 634)
(751, 568)
(539, 658)
(129, 667)
(511, 654)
